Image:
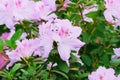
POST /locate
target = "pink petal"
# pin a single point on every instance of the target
(64, 51)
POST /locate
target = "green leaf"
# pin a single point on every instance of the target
(61, 73)
(86, 37)
(44, 75)
(115, 61)
(93, 14)
(27, 22)
(17, 35)
(86, 59)
(84, 75)
(10, 44)
(15, 68)
(1, 44)
(75, 59)
(63, 66)
(91, 2)
(104, 59)
(24, 71)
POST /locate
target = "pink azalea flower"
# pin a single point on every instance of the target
(102, 74)
(109, 17)
(46, 42)
(3, 60)
(66, 2)
(112, 10)
(40, 7)
(7, 35)
(63, 33)
(110, 3)
(117, 53)
(45, 47)
(13, 11)
(6, 13)
(4, 36)
(65, 5)
(89, 9)
(50, 4)
(24, 49)
(118, 77)
(23, 9)
(66, 37)
(44, 7)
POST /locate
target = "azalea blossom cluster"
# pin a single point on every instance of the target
(64, 34)
(52, 34)
(103, 74)
(112, 12)
(60, 31)
(24, 49)
(14, 11)
(53, 30)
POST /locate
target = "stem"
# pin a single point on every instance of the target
(85, 49)
(82, 16)
(10, 78)
(26, 61)
(80, 10)
(51, 69)
(84, 25)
